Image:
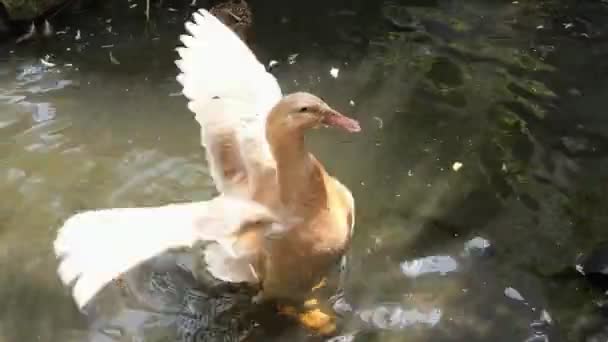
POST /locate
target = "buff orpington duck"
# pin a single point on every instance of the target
(254, 140)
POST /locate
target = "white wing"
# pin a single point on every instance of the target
(231, 94)
(97, 246)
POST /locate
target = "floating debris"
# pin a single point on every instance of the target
(545, 317)
(342, 306)
(394, 317)
(292, 58)
(456, 166)
(477, 246)
(343, 338)
(514, 294)
(334, 72)
(351, 102)
(380, 122)
(45, 61)
(113, 59)
(442, 264)
(272, 64)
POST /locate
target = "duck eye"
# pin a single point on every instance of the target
(303, 109)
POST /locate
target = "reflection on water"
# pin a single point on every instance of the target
(479, 178)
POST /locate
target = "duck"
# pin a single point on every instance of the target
(254, 138)
(280, 221)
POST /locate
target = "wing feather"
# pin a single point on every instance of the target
(231, 94)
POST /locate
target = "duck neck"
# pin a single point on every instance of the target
(299, 176)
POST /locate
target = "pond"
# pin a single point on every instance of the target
(479, 178)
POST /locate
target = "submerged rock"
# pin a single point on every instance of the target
(594, 266)
(400, 18)
(27, 9)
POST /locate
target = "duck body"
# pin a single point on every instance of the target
(255, 144)
(312, 245)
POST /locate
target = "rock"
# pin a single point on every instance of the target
(18, 10)
(595, 266)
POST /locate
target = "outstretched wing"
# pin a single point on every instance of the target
(231, 94)
(98, 246)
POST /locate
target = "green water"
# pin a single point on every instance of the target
(512, 92)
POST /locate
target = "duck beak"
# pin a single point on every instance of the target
(336, 119)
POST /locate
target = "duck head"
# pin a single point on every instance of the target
(301, 111)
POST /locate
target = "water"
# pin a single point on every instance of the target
(479, 176)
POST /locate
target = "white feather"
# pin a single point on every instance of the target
(215, 63)
(98, 246)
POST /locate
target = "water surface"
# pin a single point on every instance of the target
(479, 176)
